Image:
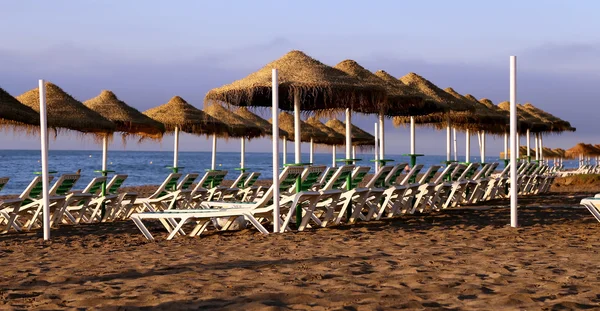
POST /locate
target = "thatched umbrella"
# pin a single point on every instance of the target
(527, 122)
(333, 138)
(557, 125)
(15, 115)
(65, 112)
(437, 95)
(177, 115)
(237, 127)
(308, 132)
(360, 138)
(582, 151)
(304, 84)
(126, 118)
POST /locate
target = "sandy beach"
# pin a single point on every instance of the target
(463, 259)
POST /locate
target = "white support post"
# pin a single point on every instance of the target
(542, 147)
(311, 151)
(333, 156)
(376, 148)
(528, 137)
(284, 150)
(297, 155)
(482, 146)
(412, 135)
(518, 150)
(348, 133)
(381, 137)
(468, 148)
(176, 148)
(104, 152)
(213, 163)
(275, 109)
(44, 151)
(448, 141)
(505, 146)
(513, 143)
(536, 137)
(455, 145)
(353, 152)
(243, 155)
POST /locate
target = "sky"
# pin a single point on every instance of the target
(148, 51)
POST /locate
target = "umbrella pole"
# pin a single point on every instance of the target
(312, 151)
(541, 147)
(284, 140)
(528, 137)
(104, 173)
(175, 149)
(455, 145)
(44, 151)
(381, 139)
(506, 160)
(448, 142)
(275, 137)
(243, 155)
(297, 128)
(537, 146)
(376, 154)
(333, 156)
(514, 145)
(468, 143)
(213, 162)
(482, 147)
(518, 150)
(353, 152)
(349, 159)
(479, 142)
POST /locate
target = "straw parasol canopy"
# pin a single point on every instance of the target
(126, 118)
(401, 99)
(429, 105)
(359, 137)
(582, 149)
(265, 125)
(178, 113)
(485, 116)
(14, 114)
(333, 137)
(319, 87)
(307, 131)
(441, 97)
(66, 112)
(526, 120)
(558, 125)
(237, 127)
(559, 152)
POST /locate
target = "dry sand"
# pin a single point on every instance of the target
(457, 260)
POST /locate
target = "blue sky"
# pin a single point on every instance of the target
(148, 51)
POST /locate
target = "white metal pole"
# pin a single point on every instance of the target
(455, 145)
(528, 137)
(537, 146)
(448, 141)
(348, 133)
(284, 150)
(333, 156)
(468, 148)
(505, 145)
(243, 155)
(176, 147)
(275, 109)
(479, 141)
(376, 148)
(213, 163)
(541, 147)
(353, 152)
(482, 146)
(104, 152)
(518, 149)
(44, 149)
(381, 137)
(513, 142)
(412, 135)
(297, 157)
(311, 150)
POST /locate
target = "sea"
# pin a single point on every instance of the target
(150, 167)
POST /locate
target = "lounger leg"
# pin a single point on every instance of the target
(256, 224)
(177, 229)
(143, 229)
(200, 227)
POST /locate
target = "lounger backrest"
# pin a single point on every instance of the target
(445, 173)
(491, 169)
(287, 178)
(327, 175)
(34, 189)
(3, 182)
(470, 171)
(187, 181)
(393, 175)
(310, 176)
(95, 185)
(115, 183)
(429, 174)
(167, 185)
(481, 172)
(251, 179)
(217, 179)
(240, 180)
(339, 177)
(358, 175)
(378, 180)
(458, 171)
(64, 184)
(412, 173)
